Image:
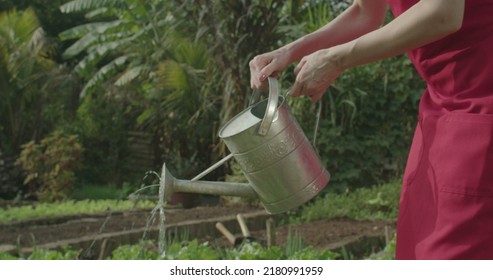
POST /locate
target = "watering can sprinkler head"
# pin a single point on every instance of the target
(166, 184)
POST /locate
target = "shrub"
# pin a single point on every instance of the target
(50, 165)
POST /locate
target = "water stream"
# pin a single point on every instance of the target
(159, 207)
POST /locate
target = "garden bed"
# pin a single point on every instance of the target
(97, 235)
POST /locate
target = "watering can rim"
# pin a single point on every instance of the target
(273, 104)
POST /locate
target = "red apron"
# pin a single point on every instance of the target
(446, 205)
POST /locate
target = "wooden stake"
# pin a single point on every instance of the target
(231, 238)
(244, 228)
(270, 232)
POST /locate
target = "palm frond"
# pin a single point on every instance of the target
(131, 74)
(93, 27)
(79, 46)
(104, 72)
(84, 5)
(101, 12)
(172, 76)
(17, 27)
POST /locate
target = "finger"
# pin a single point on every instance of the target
(298, 67)
(316, 97)
(268, 71)
(297, 89)
(256, 65)
(255, 84)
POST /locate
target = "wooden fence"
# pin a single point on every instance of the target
(10, 179)
(142, 151)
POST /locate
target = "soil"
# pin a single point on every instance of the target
(324, 234)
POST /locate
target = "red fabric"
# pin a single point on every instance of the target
(446, 207)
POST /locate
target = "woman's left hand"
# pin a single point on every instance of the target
(314, 74)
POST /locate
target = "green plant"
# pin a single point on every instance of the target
(102, 124)
(7, 256)
(115, 45)
(66, 253)
(379, 202)
(141, 251)
(192, 250)
(50, 165)
(255, 251)
(96, 192)
(33, 85)
(70, 207)
(388, 253)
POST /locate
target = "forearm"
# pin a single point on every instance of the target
(356, 21)
(424, 23)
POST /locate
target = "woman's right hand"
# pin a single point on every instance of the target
(267, 65)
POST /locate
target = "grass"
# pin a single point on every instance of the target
(85, 199)
(70, 207)
(94, 191)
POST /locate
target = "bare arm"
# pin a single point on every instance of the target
(425, 22)
(360, 18)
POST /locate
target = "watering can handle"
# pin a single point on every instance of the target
(271, 109)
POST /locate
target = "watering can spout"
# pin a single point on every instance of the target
(171, 185)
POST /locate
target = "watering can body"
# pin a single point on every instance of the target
(283, 169)
(274, 154)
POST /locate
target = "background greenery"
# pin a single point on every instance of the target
(177, 70)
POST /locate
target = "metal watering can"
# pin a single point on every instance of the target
(281, 165)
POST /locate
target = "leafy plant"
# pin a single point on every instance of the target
(123, 42)
(192, 250)
(7, 256)
(65, 253)
(70, 207)
(50, 165)
(388, 253)
(142, 251)
(102, 124)
(33, 85)
(379, 202)
(95, 192)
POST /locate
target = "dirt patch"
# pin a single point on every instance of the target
(324, 234)
(48, 230)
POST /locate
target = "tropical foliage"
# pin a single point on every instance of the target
(123, 41)
(28, 80)
(50, 166)
(178, 70)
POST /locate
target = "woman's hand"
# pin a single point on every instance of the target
(267, 65)
(315, 73)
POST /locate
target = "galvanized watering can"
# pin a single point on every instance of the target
(281, 165)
